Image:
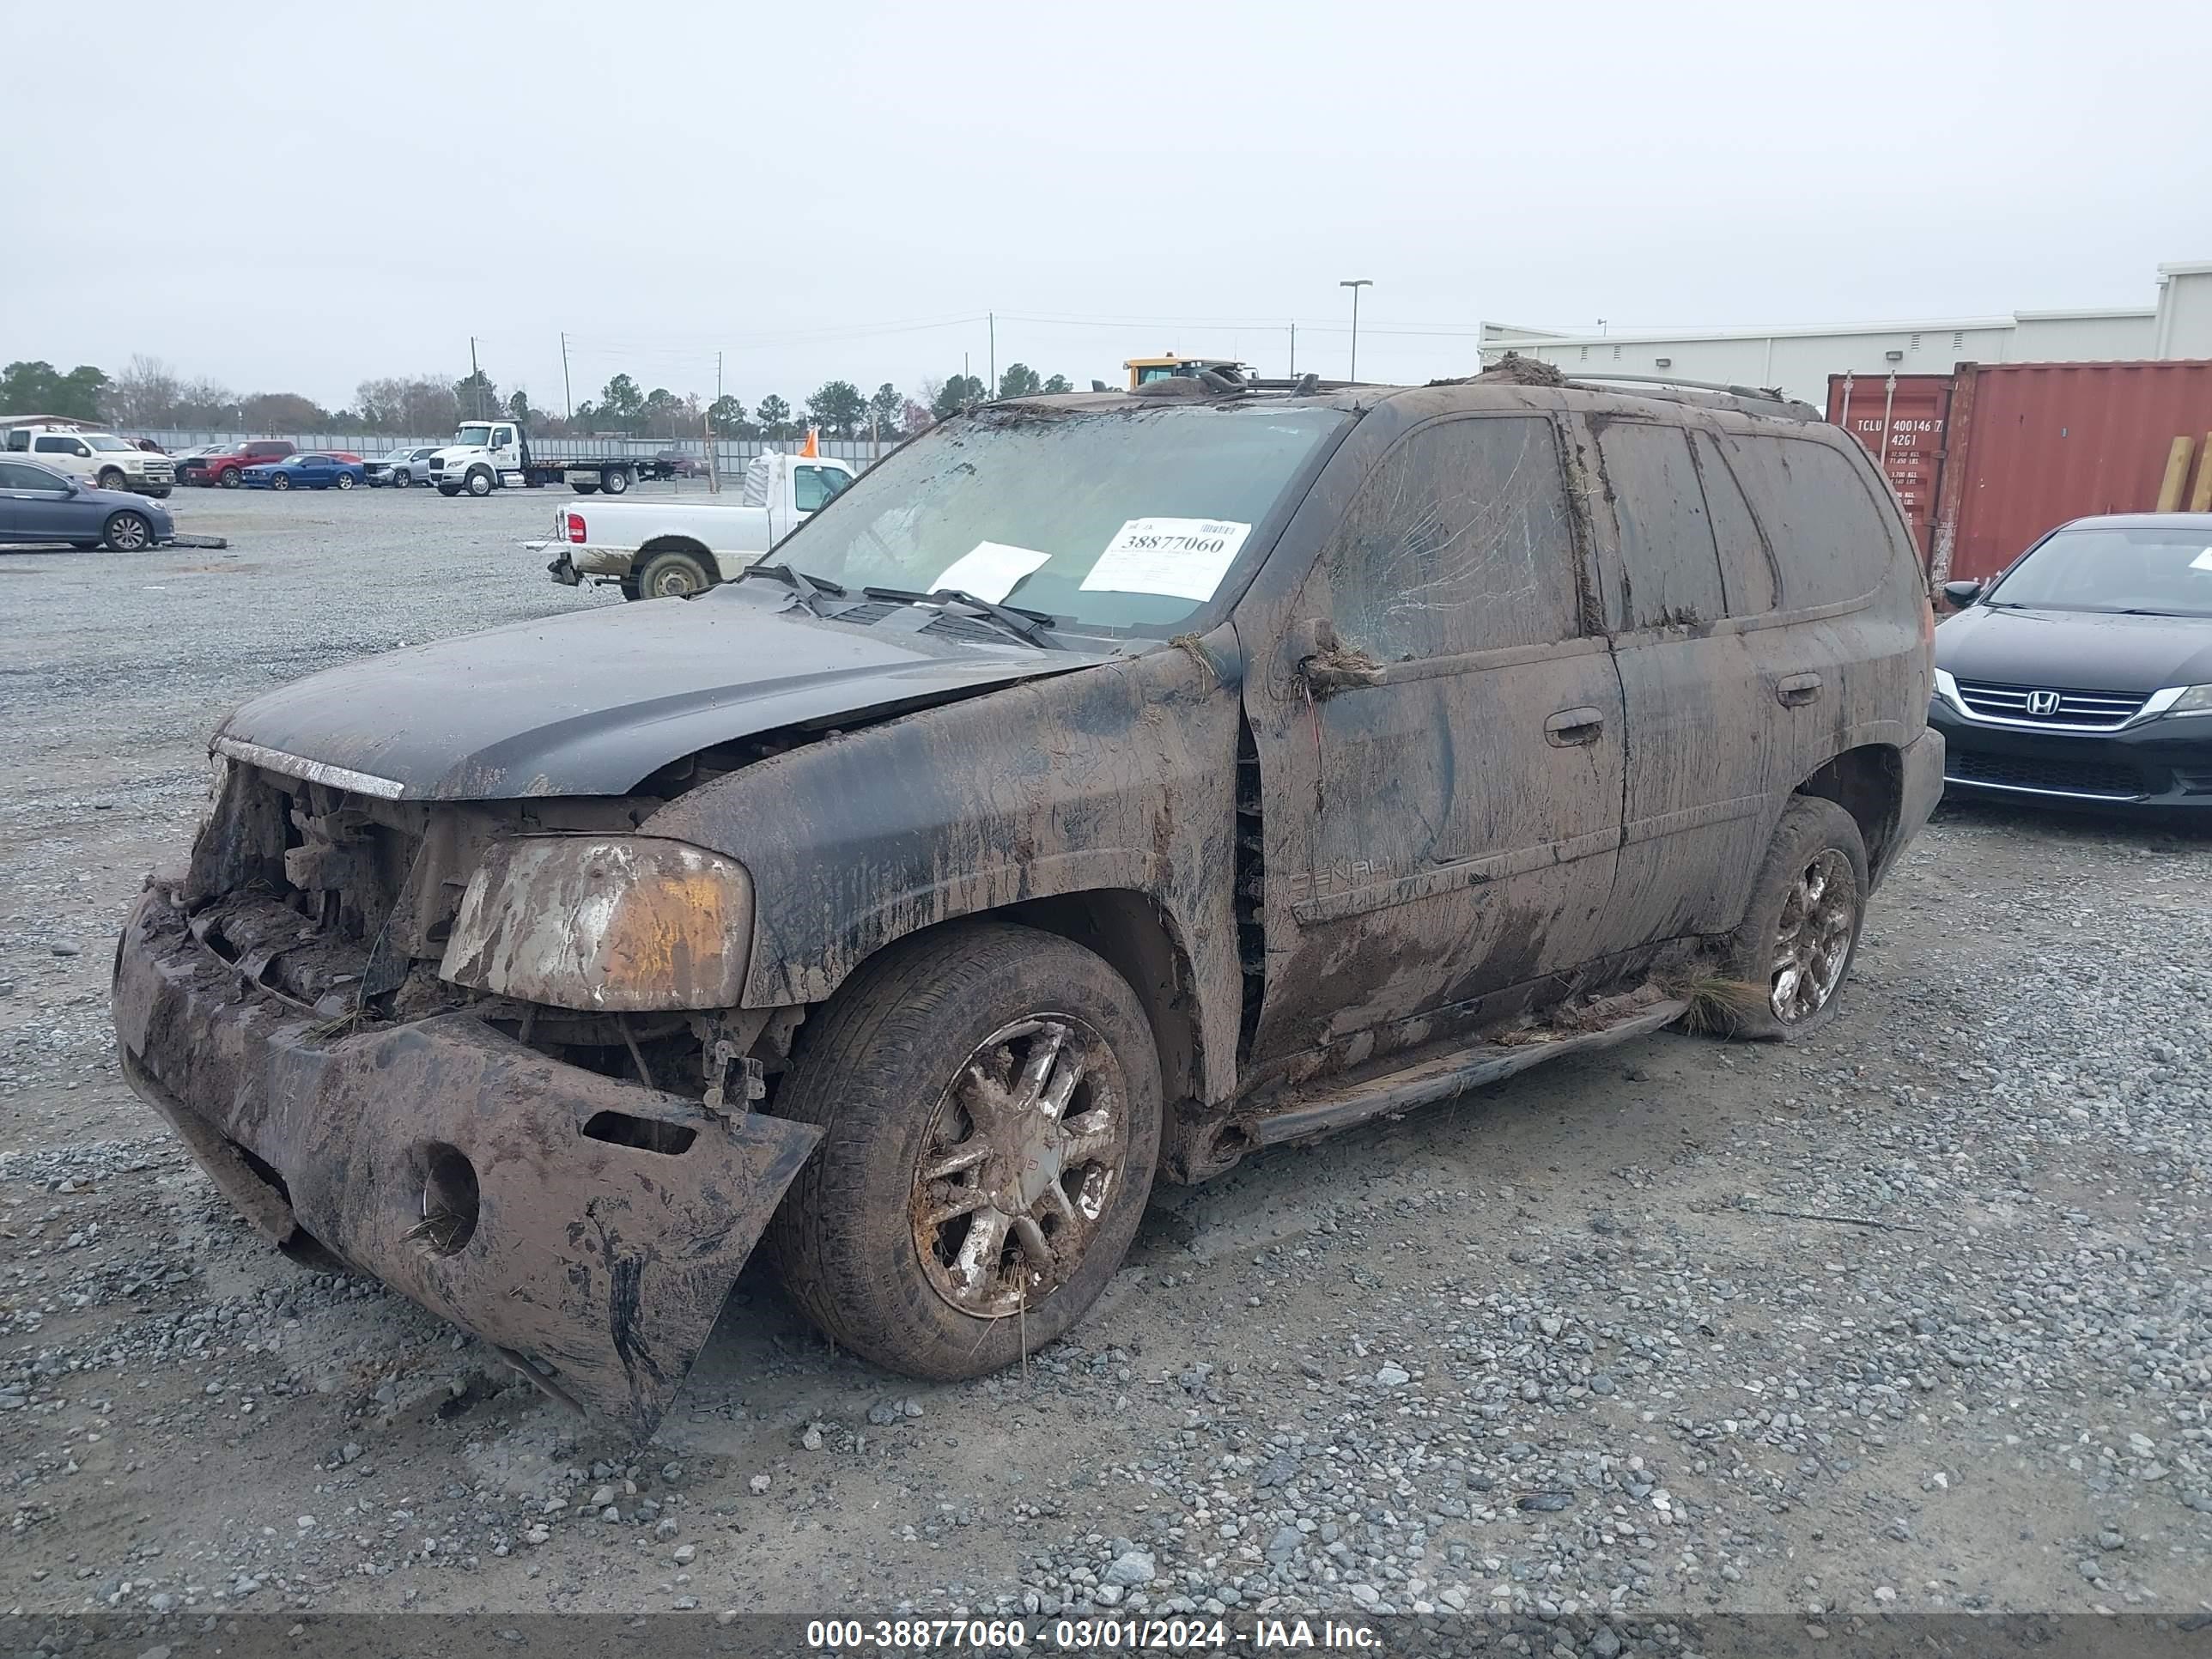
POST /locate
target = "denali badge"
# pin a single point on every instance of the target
(2043, 704)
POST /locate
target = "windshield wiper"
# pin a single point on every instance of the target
(809, 588)
(1024, 625)
(2144, 610)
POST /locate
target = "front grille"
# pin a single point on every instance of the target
(2057, 776)
(2100, 709)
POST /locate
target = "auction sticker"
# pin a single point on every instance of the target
(1184, 558)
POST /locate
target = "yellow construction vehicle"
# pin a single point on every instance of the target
(1168, 366)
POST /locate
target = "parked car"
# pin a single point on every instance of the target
(223, 465)
(677, 465)
(920, 897)
(669, 548)
(314, 469)
(2081, 675)
(99, 458)
(402, 467)
(37, 504)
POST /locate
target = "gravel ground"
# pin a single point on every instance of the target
(1914, 1317)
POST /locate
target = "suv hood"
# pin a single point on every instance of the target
(592, 704)
(2085, 650)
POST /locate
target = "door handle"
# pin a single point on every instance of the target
(1796, 691)
(1572, 728)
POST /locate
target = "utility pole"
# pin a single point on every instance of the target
(567, 398)
(1355, 285)
(992, 318)
(476, 379)
(1294, 351)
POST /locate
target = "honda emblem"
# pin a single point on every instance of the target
(2043, 704)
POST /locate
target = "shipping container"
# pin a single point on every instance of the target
(1899, 420)
(2030, 445)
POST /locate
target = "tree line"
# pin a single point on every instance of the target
(149, 395)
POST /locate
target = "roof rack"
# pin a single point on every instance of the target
(1771, 394)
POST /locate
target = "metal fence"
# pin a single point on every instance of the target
(731, 454)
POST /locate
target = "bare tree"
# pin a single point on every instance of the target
(146, 394)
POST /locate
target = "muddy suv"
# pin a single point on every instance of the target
(1103, 787)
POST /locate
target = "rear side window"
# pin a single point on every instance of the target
(1673, 573)
(1829, 539)
(1459, 541)
(1746, 567)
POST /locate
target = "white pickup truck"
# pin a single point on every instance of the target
(666, 548)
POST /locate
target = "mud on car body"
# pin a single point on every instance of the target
(1102, 786)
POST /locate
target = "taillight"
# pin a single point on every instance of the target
(576, 527)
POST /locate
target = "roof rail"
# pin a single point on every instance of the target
(1765, 394)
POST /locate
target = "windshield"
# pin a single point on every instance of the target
(2161, 569)
(102, 442)
(474, 437)
(1111, 520)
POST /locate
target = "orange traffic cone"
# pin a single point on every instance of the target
(811, 447)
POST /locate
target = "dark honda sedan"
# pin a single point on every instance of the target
(39, 505)
(2082, 675)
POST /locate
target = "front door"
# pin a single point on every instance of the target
(36, 506)
(1441, 787)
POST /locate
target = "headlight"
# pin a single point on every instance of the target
(1948, 688)
(2186, 699)
(621, 925)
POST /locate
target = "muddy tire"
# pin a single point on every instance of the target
(1799, 936)
(673, 574)
(112, 478)
(991, 1099)
(629, 586)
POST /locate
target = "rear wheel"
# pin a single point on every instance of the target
(1796, 941)
(990, 1098)
(673, 575)
(127, 532)
(582, 488)
(615, 480)
(344, 480)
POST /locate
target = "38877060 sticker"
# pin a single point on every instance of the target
(1185, 558)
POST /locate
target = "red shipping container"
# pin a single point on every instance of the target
(2032, 445)
(1900, 421)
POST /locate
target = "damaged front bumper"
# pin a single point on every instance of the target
(587, 1227)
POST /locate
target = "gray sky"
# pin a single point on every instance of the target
(301, 198)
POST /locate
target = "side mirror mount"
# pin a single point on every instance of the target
(1960, 594)
(1324, 663)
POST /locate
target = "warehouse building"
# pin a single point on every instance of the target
(1799, 361)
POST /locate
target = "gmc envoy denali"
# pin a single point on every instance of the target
(1103, 787)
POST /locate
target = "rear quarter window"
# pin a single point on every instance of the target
(1666, 551)
(1831, 542)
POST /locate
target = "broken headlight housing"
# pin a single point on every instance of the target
(625, 924)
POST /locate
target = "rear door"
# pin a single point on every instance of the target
(1446, 832)
(1712, 750)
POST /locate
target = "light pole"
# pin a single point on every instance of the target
(1355, 285)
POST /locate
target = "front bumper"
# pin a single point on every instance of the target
(501, 1189)
(2161, 766)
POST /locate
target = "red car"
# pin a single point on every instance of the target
(223, 468)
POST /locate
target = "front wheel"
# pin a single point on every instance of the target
(479, 482)
(344, 480)
(127, 532)
(1796, 941)
(400, 480)
(111, 479)
(230, 479)
(990, 1098)
(582, 488)
(280, 481)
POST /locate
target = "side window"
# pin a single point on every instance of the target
(19, 441)
(1458, 541)
(1829, 538)
(52, 446)
(15, 475)
(1747, 569)
(1666, 555)
(809, 491)
(502, 437)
